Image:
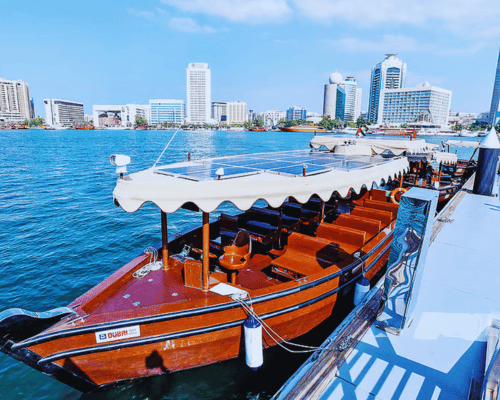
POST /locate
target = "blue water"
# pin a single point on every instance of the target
(61, 234)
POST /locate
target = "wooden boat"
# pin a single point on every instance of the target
(84, 126)
(448, 177)
(258, 129)
(304, 128)
(321, 230)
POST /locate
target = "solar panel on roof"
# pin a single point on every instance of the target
(285, 162)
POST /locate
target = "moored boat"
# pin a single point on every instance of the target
(258, 129)
(84, 127)
(321, 230)
(304, 128)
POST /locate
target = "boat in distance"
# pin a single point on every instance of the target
(304, 128)
(182, 303)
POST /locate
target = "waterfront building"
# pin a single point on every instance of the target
(359, 96)
(272, 117)
(330, 95)
(229, 112)
(424, 103)
(219, 112)
(314, 117)
(166, 110)
(63, 113)
(388, 74)
(236, 112)
(461, 118)
(350, 88)
(88, 118)
(296, 113)
(15, 104)
(119, 116)
(340, 104)
(32, 108)
(494, 116)
(198, 93)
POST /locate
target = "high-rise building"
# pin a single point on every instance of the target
(64, 113)
(350, 85)
(359, 96)
(421, 103)
(167, 110)
(198, 93)
(388, 74)
(296, 113)
(15, 103)
(494, 116)
(236, 112)
(331, 94)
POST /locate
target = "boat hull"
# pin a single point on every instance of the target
(184, 339)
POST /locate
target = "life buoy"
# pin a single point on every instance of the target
(395, 192)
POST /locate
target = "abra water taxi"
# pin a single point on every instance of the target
(183, 303)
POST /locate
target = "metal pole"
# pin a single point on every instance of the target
(164, 239)
(206, 257)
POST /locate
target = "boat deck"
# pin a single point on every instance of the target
(443, 350)
(317, 248)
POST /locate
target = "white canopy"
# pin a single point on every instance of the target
(378, 146)
(462, 143)
(169, 187)
(444, 158)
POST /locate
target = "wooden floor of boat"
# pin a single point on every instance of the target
(167, 287)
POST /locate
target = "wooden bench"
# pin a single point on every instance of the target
(385, 217)
(304, 256)
(371, 226)
(381, 205)
(228, 228)
(349, 240)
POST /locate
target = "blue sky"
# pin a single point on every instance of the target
(273, 54)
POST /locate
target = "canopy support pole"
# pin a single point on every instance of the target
(439, 174)
(206, 256)
(164, 240)
(322, 211)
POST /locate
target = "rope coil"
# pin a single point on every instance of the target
(153, 264)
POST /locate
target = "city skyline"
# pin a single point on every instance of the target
(269, 54)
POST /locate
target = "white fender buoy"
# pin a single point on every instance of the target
(253, 343)
(362, 288)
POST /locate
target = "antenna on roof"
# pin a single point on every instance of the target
(166, 147)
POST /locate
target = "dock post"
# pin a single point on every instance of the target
(487, 164)
(409, 247)
(164, 239)
(206, 257)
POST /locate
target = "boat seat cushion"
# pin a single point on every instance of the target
(306, 255)
(349, 239)
(385, 217)
(381, 205)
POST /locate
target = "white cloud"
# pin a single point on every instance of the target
(189, 25)
(400, 43)
(149, 15)
(454, 15)
(249, 11)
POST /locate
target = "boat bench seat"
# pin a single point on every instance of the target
(381, 205)
(289, 223)
(228, 228)
(261, 231)
(385, 217)
(371, 226)
(349, 239)
(305, 255)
